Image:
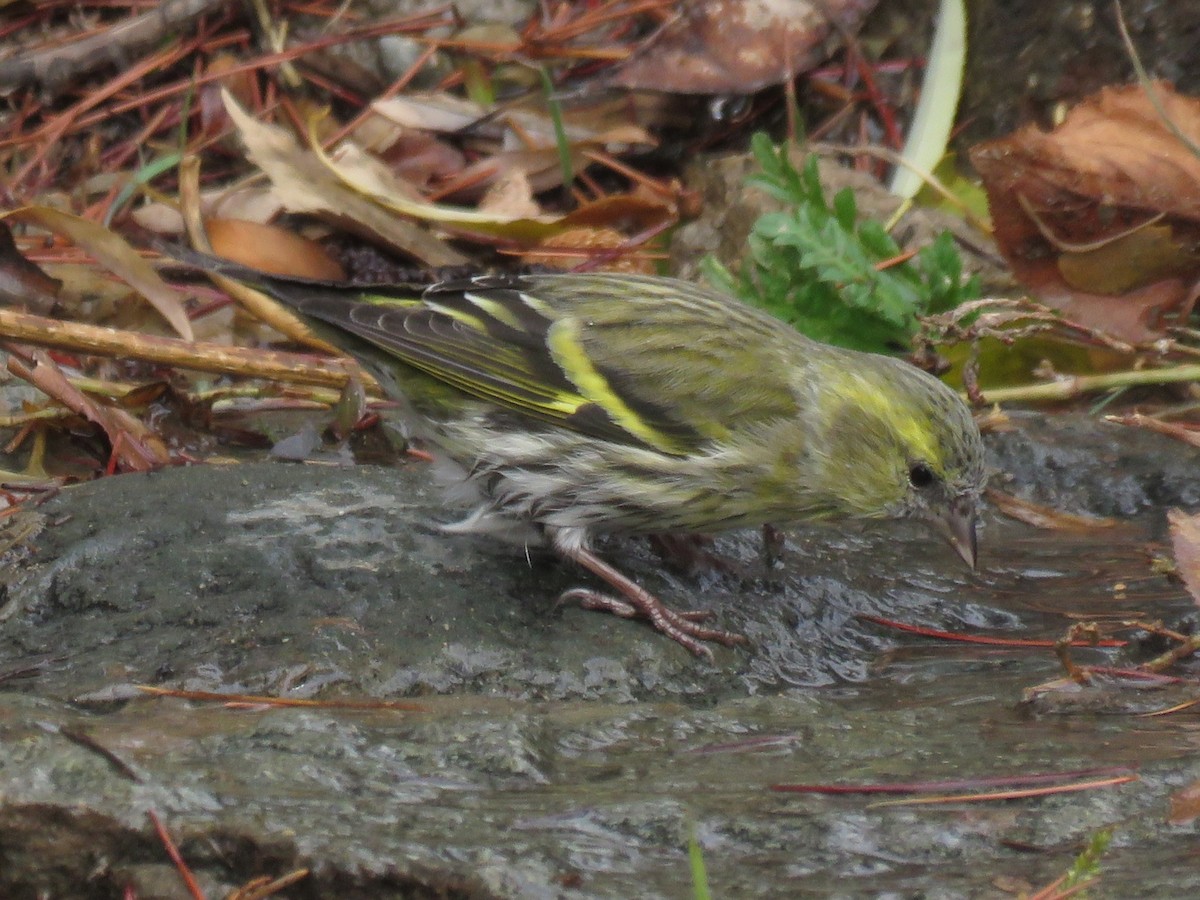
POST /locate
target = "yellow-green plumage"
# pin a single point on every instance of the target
(576, 405)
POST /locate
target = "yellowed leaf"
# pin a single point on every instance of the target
(112, 252)
(304, 183)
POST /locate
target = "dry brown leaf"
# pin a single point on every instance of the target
(511, 196)
(258, 304)
(739, 46)
(21, 282)
(613, 127)
(305, 184)
(271, 249)
(252, 204)
(1185, 542)
(1100, 216)
(421, 159)
(568, 249)
(112, 252)
(227, 70)
(542, 168)
(1126, 262)
(1185, 805)
(367, 195)
(638, 211)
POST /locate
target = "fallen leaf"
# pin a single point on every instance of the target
(1185, 542)
(1101, 216)
(569, 248)
(510, 196)
(21, 282)
(1185, 805)
(305, 183)
(112, 252)
(1126, 262)
(253, 204)
(739, 46)
(271, 249)
(609, 125)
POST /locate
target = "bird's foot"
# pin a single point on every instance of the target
(589, 599)
(636, 602)
(683, 627)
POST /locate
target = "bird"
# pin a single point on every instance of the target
(564, 407)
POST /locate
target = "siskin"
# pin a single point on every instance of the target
(570, 406)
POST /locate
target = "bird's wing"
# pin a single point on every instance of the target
(646, 361)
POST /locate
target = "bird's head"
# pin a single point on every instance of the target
(899, 442)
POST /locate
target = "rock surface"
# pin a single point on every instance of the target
(559, 752)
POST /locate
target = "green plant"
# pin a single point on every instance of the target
(1086, 867)
(699, 871)
(817, 266)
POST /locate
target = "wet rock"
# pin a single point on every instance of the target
(554, 750)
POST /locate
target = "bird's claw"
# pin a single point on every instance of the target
(680, 626)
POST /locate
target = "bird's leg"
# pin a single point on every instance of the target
(683, 628)
(774, 542)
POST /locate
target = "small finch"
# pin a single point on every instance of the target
(570, 406)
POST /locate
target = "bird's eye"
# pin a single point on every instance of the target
(920, 475)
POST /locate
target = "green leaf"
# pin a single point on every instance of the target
(818, 266)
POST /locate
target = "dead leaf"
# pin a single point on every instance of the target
(568, 249)
(511, 196)
(226, 72)
(1137, 316)
(1100, 216)
(252, 204)
(420, 158)
(258, 304)
(304, 183)
(739, 46)
(1185, 542)
(21, 282)
(1185, 805)
(1126, 262)
(614, 127)
(271, 249)
(542, 168)
(111, 251)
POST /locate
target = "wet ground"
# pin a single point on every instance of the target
(560, 752)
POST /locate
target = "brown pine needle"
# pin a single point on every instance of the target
(1021, 794)
(261, 887)
(928, 787)
(262, 700)
(189, 880)
(1170, 710)
(983, 639)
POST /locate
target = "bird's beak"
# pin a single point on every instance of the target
(958, 526)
